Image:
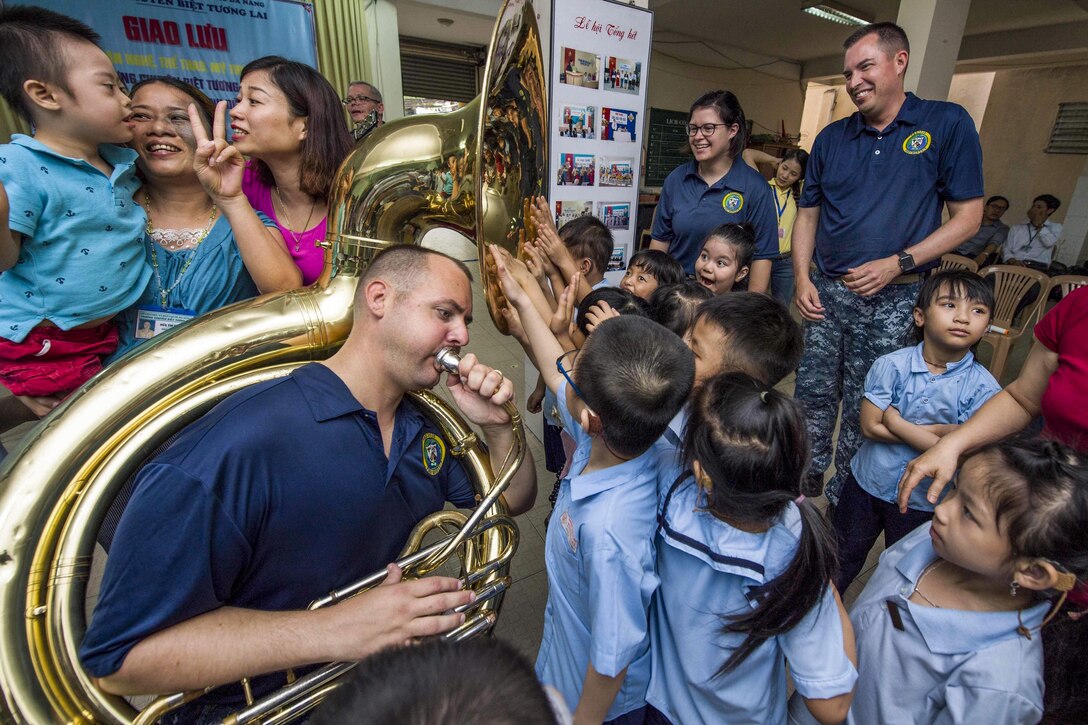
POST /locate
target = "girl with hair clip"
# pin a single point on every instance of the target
(745, 570)
(953, 623)
(290, 124)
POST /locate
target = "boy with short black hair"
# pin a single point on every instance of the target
(71, 253)
(746, 332)
(616, 396)
(913, 397)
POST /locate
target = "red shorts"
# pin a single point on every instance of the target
(52, 361)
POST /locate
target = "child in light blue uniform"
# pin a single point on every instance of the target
(948, 627)
(615, 397)
(913, 397)
(738, 332)
(745, 571)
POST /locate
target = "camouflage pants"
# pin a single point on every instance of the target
(839, 350)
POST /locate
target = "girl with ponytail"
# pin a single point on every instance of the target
(745, 570)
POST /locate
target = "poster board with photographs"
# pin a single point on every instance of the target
(600, 54)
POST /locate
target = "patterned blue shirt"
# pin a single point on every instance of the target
(82, 252)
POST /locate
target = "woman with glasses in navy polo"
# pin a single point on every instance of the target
(715, 188)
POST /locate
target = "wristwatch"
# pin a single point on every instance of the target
(906, 262)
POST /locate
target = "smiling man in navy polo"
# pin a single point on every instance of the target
(870, 217)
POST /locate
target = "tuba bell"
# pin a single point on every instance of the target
(58, 485)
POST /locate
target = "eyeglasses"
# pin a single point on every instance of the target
(708, 129)
(348, 100)
(568, 357)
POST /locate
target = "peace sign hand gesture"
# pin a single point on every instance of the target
(218, 165)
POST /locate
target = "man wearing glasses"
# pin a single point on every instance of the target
(362, 100)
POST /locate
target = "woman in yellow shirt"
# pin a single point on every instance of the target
(786, 185)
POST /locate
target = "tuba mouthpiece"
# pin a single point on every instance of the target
(447, 359)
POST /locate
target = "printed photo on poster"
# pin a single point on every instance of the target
(578, 122)
(617, 124)
(622, 75)
(565, 211)
(615, 214)
(618, 261)
(615, 172)
(580, 68)
(578, 170)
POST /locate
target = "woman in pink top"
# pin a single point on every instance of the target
(289, 122)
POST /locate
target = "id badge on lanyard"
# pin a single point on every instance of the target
(152, 320)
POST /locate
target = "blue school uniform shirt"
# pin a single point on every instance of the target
(667, 451)
(82, 252)
(690, 209)
(903, 380)
(707, 569)
(946, 665)
(599, 556)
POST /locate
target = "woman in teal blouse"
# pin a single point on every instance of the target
(206, 251)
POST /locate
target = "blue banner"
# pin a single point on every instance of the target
(203, 43)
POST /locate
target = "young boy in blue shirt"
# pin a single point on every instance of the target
(71, 254)
(615, 397)
(913, 397)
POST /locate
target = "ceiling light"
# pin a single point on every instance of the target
(836, 13)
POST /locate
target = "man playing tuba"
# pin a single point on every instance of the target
(292, 488)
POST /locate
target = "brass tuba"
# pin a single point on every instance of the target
(57, 487)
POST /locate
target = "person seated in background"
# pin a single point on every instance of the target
(483, 680)
(1032, 243)
(990, 237)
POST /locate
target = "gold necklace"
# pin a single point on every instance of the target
(164, 293)
(286, 218)
(932, 566)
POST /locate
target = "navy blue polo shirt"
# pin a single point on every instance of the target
(276, 497)
(690, 208)
(880, 192)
